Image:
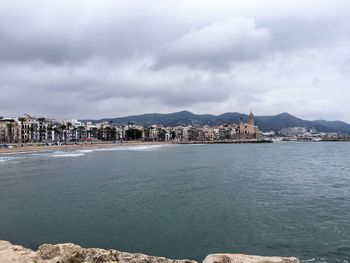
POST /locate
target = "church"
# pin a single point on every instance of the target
(248, 130)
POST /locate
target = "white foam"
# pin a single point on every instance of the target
(40, 154)
(82, 152)
(8, 159)
(86, 151)
(68, 154)
(131, 148)
(145, 148)
(310, 260)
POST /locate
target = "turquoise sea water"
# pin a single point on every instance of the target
(184, 201)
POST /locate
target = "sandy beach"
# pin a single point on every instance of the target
(71, 147)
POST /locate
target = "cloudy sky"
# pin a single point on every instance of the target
(108, 58)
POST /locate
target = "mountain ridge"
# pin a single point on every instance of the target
(265, 123)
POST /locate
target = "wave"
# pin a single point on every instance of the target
(40, 154)
(86, 151)
(81, 152)
(131, 148)
(78, 153)
(67, 154)
(5, 159)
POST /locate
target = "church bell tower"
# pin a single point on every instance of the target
(251, 118)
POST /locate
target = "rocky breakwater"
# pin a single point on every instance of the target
(71, 253)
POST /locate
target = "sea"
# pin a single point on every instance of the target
(183, 201)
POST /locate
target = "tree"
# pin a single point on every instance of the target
(93, 132)
(113, 134)
(33, 131)
(81, 131)
(22, 120)
(108, 133)
(161, 134)
(133, 134)
(75, 133)
(58, 131)
(147, 132)
(63, 132)
(10, 132)
(100, 133)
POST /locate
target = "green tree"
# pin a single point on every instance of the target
(81, 131)
(10, 132)
(22, 120)
(161, 134)
(113, 134)
(108, 132)
(133, 134)
(63, 128)
(147, 132)
(100, 133)
(93, 132)
(58, 131)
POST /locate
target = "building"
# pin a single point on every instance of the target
(248, 130)
(10, 131)
(293, 132)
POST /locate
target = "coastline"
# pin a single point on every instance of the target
(71, 147)
(69, 253)
(24, 148)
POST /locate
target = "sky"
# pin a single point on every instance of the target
(110, 58)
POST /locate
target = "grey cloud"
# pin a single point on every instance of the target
(110, 58)
(219, 43)
(101, 81)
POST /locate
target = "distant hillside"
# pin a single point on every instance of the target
(265, 123)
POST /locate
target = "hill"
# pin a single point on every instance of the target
(265, 123)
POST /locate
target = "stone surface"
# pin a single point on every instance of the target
(16, 254)
(241, 258)
(71, 253)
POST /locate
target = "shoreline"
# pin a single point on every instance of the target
(69, 252)
(40, 147)
(25, 148)
(71, 147)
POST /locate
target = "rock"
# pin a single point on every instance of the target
(48, 251)
(63, 253)
(17, 254)
(241, 258)
(71, 253)
(98, 255)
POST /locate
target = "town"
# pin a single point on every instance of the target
(28, 129)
